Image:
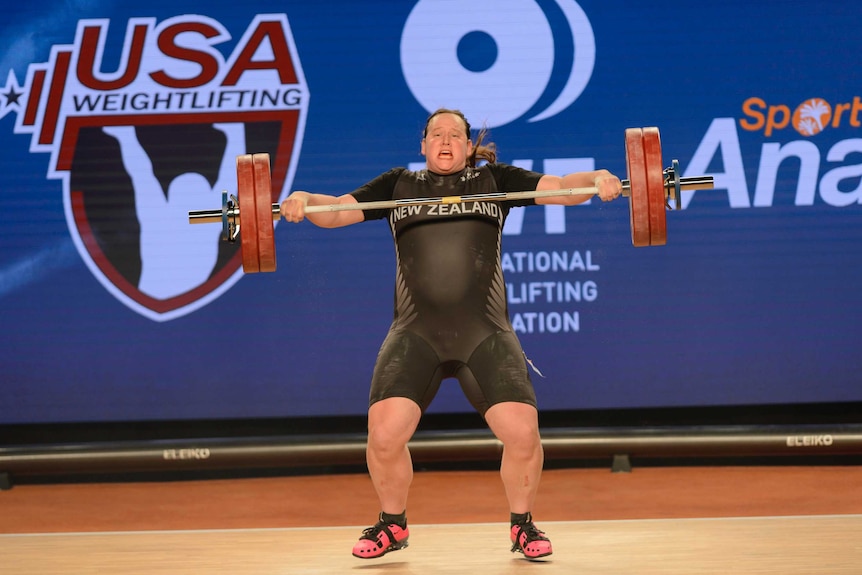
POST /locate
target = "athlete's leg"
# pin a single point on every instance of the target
(516, 425)
(497, 383)
(405, 379)
(391, 424)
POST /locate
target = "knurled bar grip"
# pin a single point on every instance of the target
(491, 196)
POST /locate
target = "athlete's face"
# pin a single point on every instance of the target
(446, 144)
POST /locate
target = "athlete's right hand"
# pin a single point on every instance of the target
(293, 207)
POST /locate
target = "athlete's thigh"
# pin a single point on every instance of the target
(497, 372)
(406, 366)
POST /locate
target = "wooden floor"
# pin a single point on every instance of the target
(818, 545)
(691, 521)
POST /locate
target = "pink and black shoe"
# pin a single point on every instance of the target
(380, 539)
(529, 540)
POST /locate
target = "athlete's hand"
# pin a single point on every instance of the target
(608, 185)
(293, 207)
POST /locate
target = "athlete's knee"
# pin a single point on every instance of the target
(516, 426)
(524, 440)
(384, 440)
(391, 423)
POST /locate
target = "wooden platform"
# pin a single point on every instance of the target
(817, 545)
(668, 521)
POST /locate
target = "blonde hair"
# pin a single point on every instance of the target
(487, 152)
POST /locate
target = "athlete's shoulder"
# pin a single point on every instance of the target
(386, 179)
(413, 175)
(507, 175)
(502, 168)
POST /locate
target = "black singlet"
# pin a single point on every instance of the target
(451, 315)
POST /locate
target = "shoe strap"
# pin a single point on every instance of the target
(531, 531)
(372, 532)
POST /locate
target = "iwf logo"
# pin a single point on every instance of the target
(138, 148)
(494, 59)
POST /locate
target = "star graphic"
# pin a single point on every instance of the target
(12, 92)
(12, 96)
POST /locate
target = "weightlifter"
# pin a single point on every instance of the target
(451, 318)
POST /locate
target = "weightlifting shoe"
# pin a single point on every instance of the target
(529, 540)
(380, 539)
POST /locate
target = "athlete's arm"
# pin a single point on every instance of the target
(293, 210)
(608, 186)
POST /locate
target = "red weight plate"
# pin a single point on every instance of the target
(638, 198)
(655, 187)
(263, 200)
(247, 214)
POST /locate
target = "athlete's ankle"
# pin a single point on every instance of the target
(399, 519)
(520, 518)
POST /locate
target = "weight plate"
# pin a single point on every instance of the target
(263, 200)
(245, 191)
(656, 195)
(639, 214)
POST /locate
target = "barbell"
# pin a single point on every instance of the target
(650, 189)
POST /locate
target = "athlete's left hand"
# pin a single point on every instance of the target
(608, 185)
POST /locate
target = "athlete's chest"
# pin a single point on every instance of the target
(417, 185)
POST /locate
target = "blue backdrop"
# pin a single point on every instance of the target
(111, 311)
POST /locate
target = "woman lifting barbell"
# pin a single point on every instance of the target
(451, 317)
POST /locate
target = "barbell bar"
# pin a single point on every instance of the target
(650, 189)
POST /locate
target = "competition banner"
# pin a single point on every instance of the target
(117, 121)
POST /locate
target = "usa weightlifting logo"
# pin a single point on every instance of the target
(138, 148)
